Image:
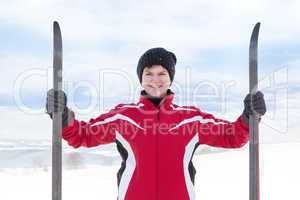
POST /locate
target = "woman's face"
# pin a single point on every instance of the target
(156, 81)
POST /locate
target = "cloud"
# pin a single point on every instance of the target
(204, 24)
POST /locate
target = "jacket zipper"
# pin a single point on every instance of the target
(157, 134)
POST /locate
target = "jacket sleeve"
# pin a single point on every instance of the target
(222, 133)
(100, 130)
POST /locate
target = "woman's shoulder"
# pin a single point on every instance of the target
(187, 108)
(128, 105)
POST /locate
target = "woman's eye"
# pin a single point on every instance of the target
(162, 74)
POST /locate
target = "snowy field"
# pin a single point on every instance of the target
(25, 172)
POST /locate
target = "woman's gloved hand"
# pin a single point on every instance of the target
(258, 106)
(56, 102)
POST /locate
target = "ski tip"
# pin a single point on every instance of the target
(55, 23)
(255, 32)
(56, 28)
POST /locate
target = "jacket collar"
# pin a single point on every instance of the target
(165, 102)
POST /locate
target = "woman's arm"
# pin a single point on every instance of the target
(93, 133)
(80, 133)
(222, 133)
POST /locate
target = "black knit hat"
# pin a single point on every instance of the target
(157, 56)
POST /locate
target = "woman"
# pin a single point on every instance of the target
(156, 138)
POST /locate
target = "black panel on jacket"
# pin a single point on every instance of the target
(192, 170)
(124, 154)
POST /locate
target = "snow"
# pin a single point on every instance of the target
(221, 174)
(225, 175)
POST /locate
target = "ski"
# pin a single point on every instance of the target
(254, 187)
(57, 116)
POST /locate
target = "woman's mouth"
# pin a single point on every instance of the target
(155, 86)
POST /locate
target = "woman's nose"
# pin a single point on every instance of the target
(155, 79)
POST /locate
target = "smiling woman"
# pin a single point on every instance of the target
(155, 137)
(156, 70)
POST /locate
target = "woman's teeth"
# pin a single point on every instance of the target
(157, 86)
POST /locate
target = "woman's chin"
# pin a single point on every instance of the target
(155, 93)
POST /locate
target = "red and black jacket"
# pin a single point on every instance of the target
(156, 144)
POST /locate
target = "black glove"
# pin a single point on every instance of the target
(56, 102)
(258, 106)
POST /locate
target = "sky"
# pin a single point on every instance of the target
(103, 40)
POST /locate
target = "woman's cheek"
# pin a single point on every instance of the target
(166, 83)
